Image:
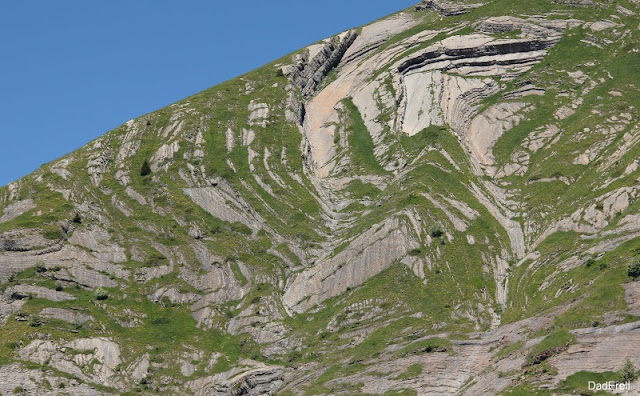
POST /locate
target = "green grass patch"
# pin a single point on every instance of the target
(360, 142)
(360, 190)
(579, 382)
(429, 345)
(556, 342)
(509, 349)
(412, 371)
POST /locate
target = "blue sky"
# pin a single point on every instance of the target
(73, 70)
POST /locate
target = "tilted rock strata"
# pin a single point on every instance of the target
(419, 202)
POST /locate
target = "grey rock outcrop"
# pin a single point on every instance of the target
(73, 357)
(411, 197)
(254, 380)
(15, 376)
(311, 68)
(99, 162)
(8, 306)
(445, 7)
(575, 3)
(27, 240)
(67, 315)
(319, 60)
(368, 254)
(15, 209)
(226, 204)
(23, 291)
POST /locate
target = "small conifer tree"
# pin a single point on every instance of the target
(146, 169)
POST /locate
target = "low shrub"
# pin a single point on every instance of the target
(634, 269)
(100, 294)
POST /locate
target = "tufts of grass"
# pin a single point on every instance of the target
(429, 345)
(412, 371)
(556, 342)
(360, 142)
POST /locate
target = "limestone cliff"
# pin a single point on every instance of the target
(442, 202)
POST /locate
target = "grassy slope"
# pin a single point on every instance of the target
(457, 275)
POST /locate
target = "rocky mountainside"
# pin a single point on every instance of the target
(442, 202)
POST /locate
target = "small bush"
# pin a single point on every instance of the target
(415, 252)
(429, 345)
(100, 294)
(412, 372)
(160, 321)
(634, 269)
(13, 345)
(145, 169)
(52, 232)
(628, 372)
(155, 259)
(35, 322)
(437, 233)
(40, 268)
(240, 228)
(77, 219)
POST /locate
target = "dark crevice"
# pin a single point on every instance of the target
(468, 53)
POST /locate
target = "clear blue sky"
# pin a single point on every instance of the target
(73, 70)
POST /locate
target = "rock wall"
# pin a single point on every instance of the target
(369, 254)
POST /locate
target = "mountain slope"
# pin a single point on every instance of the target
(441, 202)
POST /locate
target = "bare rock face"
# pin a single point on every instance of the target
(417, 206)
(226, 204)
(256, 379)
(16, 209)
(74, 357)
(85, 277)
(97, 241)
(9, 306)
(259, 114)
(632, 295)
(445, 7)
(67, 315)
(438, 85)
(15, 376)
(376, 34)
(319, 61)
(369, 254)
(99, 162)
(219, 286)
(25, 240)
(575, 3)
(162, 157)
(486, 129)
(454, 100)
(22, 291)
(599, 350)
(450, 92)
